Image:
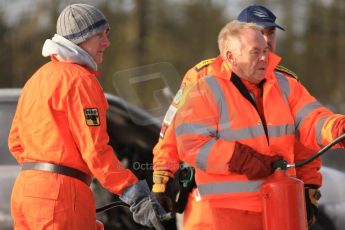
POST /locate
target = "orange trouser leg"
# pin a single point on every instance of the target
(46, 201)
(197, 215)
(231, 219)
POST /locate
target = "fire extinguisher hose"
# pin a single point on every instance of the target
(318, 154)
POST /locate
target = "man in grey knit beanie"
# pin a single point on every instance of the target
(78, 22)
(59, 135)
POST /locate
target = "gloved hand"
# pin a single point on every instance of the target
(312, 195)
(161, 178)
(144, 205)
(254, 165)
(338, 128)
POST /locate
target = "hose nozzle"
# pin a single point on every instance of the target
(280, 164)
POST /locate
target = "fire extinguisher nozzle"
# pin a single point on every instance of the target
(280, 164)
(291, 165)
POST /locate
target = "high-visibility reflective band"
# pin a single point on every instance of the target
(220, 98)
(196, 128)
(203, 154)
(305, 111)
(229, 187)
(256, 131)
(235, 134)
(280, 130)
(242, 133)
(283, 84)
(319, 126)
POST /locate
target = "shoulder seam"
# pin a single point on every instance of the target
(286, 71)
(204, 63)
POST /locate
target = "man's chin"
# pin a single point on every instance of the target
(258, 79)
(99, 61)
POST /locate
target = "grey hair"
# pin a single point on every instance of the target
(230, 35)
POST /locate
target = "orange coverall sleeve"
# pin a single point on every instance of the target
(14, 142)
(165, 156)
(92, 141)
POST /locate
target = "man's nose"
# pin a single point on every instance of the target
(106, 41)
(264, 57)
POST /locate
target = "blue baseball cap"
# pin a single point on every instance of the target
(259, 15)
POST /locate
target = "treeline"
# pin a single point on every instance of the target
(181, 33)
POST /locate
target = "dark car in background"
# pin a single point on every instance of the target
(133, 133)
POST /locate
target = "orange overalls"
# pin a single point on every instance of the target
(61, 119)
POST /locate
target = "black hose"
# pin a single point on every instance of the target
(112, 205)
(318, 154)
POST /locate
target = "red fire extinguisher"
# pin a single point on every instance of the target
(283, 196)
(283, 202)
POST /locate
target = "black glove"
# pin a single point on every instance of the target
(144, 205)
(312, 195)
(173, 190)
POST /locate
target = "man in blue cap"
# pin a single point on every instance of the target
(264, 17)
(310, 173)
(196, 214)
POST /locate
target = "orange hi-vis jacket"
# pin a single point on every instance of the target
(197, 213)
(165, 152)
(61, 119)
(165, 155)
(216, 115)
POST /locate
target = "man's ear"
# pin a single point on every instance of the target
(230, 58)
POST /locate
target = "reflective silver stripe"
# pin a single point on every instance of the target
(256, 131)
(318, 130)
(283, 84)
(203, 154)
(196, 128)
(280, 130)
(229, 187)
(222, 104)
(305, 111)
(243, 133)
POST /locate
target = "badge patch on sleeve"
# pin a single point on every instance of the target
(92, 117)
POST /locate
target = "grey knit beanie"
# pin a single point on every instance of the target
(78, 22)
